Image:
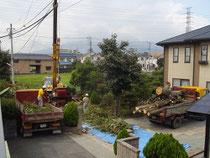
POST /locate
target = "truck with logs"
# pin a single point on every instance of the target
(169, 106)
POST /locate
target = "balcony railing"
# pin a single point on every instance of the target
(203, 62)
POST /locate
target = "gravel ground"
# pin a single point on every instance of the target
(191, 131)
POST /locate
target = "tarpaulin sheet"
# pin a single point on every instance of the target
(143, 134)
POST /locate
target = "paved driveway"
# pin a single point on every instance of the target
(45, 145)
(191, 131)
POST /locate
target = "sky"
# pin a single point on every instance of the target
(136, 21)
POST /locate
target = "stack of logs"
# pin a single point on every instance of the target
(164, 97)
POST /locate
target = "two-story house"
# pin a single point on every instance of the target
(149, 61)
(186, 58)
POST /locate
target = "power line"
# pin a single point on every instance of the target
(35, 23)
(28, 11)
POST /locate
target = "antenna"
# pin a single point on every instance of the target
(188, 19)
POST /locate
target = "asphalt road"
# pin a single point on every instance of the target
(46, 145)
(191, 131)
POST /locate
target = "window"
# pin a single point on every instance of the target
(38, 61)
(48, 68)
(142, 59)
(176, 55)
(187, 55)
(208, 85)
(16, 61)
(204, 53)
(180, 82)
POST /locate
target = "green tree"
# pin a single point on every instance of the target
(119, 66)
(122, 134)
(4, 67)
(160, 62)
(164, 145)
(86, 75)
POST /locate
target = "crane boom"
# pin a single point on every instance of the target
(55, 49)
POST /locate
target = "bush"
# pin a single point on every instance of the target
(95, 98)
(164, 145)
(9, 109)
(71, 114)
(107, 100)
(122, 134)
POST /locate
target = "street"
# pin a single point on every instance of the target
(45, 145)
(191, 131)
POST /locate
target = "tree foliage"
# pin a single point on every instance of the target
(71, 114)
(4, 67)
(119, 65)
(160, 62)
(86, 75)
(95, 98)
(164, 146)
(122, 134)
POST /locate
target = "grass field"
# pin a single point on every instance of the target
(36, 80)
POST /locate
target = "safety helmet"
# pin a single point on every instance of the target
(44, 87)
(86, 95)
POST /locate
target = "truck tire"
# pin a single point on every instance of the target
(177, 122)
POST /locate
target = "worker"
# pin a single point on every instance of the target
(85, 102)
(41, 95)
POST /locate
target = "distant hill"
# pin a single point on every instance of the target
(83, 46)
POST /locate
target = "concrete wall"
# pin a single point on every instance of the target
(204, 71)
(181, 69)
(128, 147)
(23, 66)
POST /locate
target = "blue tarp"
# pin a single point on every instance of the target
(110, 138)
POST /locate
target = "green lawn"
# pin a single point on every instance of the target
(36, 80)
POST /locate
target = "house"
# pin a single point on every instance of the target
(149, 61)
(142, 57)
(95, 57)
(186, 58)
(32, 63)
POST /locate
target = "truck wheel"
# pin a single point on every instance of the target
(176, 123)
(152, 121)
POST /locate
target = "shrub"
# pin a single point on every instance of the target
(164, 145)
(95, 98)
(71, 114)
(102, 89)
(122, 134)
(9, 108)
(107, 100)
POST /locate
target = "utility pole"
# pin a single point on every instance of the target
(55, 48)
(91, 47)
(11, 51)
(149, 47)
(188, 19)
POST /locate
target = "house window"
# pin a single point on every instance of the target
(16, 61)
(142, 59)
(187, 55)
(180, 82)
(48, 68)
(204, 53)
(38, 61)
(176, 55)
(208, 85)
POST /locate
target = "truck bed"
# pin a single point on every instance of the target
(40, 117)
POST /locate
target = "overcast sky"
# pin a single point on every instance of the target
(133, 20)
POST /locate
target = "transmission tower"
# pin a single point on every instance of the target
(188, 19)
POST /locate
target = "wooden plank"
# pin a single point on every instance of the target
(194, 152)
